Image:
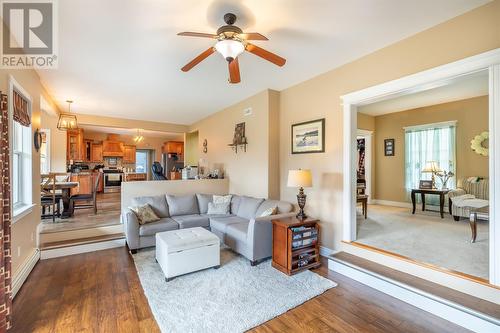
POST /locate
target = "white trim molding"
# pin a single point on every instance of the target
(24, 271)
(442, 124)
(82, 248)
(422, 81)
(494, 169)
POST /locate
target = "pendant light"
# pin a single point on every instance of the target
(138, 138)
(67, 121)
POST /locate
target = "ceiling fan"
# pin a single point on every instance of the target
(231, 42)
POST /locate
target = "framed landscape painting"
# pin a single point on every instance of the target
(308, 137)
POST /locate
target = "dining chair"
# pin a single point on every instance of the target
(89, 199)
(49, 197)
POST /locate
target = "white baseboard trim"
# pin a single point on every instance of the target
(24, 271)
(82, 248)
(445, 309)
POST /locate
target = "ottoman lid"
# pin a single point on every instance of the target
(185, 239)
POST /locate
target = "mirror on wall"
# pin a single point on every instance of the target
(422, 175)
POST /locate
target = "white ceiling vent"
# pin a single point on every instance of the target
(247, 112)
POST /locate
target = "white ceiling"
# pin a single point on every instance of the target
(122, 58)
(133, 132)
(468, 86)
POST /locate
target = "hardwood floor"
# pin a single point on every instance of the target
(108, 213)
(101, 292)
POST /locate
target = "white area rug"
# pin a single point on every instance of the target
(233, 298)
(428, 238)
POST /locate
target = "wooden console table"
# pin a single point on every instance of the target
(295, 245)
(423, 192)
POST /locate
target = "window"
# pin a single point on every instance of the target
(45, 151)
(426, 143)
(21, 172)
(141, 161)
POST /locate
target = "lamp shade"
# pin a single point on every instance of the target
(299, 178)
(229, 48)
(431, 166)
(67, 122)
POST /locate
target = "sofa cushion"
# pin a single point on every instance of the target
(248, 207)
(221, 223)
(191, 221)
(222, 208)
(157, 202)
(182, 205)
(164, 224)
(203, 200)
(235, 203)
(238, 231)
(145, 214)
(283, 207)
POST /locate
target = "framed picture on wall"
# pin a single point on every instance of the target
(389, 147)
(308, 137)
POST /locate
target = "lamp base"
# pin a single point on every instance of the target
(301, 201)
(301, 215)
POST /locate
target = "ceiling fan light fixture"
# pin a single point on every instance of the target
(230, 49)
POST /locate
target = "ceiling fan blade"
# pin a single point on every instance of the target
(196, 34)
(234, 71)
(252, 36)
(269, 56)
(198, 59)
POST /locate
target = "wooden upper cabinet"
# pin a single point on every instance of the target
(112, 148)
(173, 147)
(96, 152)
(128, 154)
(87, 150)
(75, 148)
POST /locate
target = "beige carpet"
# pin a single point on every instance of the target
(426, 237)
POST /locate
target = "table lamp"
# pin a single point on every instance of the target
(300, 178)
(433, 168)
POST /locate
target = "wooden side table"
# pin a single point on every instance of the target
(295, 245)
(423, 192)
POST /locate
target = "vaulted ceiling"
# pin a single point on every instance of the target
(122, 58)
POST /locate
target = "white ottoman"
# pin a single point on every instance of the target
(184, 251)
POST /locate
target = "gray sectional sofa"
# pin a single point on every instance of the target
(244, 230)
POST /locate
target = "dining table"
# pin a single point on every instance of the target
(65, 188)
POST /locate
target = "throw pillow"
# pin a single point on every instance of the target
(218, 208)
(270, 211)
(145, 214)
(222, 199)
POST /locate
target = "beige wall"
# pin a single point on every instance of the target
(192, 149)
(472, 119)
(249, 171)
(366, 122)
(24, 231)
(85, 119)
(472, 33)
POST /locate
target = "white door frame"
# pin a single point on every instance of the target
(368, 136)
(422, 81)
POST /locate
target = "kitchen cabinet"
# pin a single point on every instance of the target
(96, 153)
(132, 177)
(128, 154)
(173, 147)
(87, 150)
(86, 182)
(75, 149)
(112, 148)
